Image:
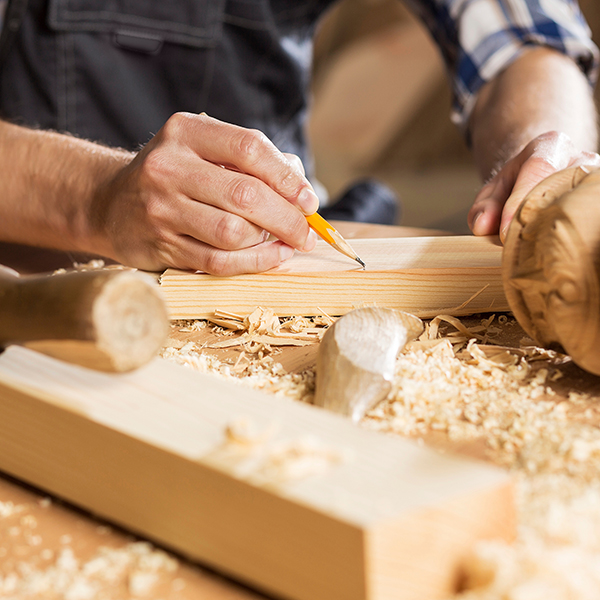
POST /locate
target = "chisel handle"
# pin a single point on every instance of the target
(110, 320)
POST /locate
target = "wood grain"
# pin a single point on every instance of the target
(345, 513)
(421, 275)
(551, 264)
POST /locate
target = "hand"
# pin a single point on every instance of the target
(204, 195)
(498, 200)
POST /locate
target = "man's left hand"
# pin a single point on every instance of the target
(498, 200)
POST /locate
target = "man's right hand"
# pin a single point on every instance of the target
(204, 195)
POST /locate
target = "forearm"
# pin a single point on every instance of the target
(542, 91)
(171, 204)
(47, 183)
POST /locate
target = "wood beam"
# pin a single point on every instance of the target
(286, 497)
(426, 276)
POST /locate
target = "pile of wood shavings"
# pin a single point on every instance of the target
(254, 369)
(556, 555)
(34, 565)
(504, 399)
(259, 336)
(134, 569)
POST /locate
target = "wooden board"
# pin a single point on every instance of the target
(421, 275)
(305, 506)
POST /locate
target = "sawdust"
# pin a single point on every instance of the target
(9, 509)
(557, 553)
(258, 336)
(255, 367)
(504, 399)
(133, 569)
(266, 459)
(37, 565)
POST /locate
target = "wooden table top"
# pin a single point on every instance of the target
(50, 549)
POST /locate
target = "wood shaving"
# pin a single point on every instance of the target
(189, 326)
(260, 372)
(557, 553)
(9, 509)
(265, 460)
(95, 264)
(134, 567)
(248, 338)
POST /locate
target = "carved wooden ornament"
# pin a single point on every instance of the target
(551, 264)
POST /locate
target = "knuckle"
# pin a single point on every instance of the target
(176, 123)
(230, 232)
(260, 263)
(290, 181)
(218, 262)
(553, 138)
(263, 261)
(295, 161)
(591, 157)
(252, 144)
(552, 135)
(243, 195)
(157, 167)
(541, 166)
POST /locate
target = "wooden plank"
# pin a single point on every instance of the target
(421, 275)
(308, 507)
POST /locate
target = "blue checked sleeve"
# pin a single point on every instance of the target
(480, 38)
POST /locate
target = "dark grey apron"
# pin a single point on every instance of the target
(113, 71)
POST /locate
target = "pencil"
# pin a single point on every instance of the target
(332, 236)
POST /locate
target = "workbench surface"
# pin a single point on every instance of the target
(51, 550)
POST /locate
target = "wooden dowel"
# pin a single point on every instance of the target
(107, 320)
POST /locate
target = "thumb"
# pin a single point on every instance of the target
(534, 170)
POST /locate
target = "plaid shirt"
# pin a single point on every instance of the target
(480, 38)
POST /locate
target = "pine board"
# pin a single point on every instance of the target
(422, 275)
(385, 520)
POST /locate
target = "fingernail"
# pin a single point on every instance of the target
(285, 252)
(311, 242)
(308, 201)
(474, 223)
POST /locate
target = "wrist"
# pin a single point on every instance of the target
(90, 228)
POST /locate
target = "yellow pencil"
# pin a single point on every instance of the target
(332, 236)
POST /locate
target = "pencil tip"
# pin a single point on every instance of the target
(360, 262)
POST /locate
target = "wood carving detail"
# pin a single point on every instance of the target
(550, 265)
